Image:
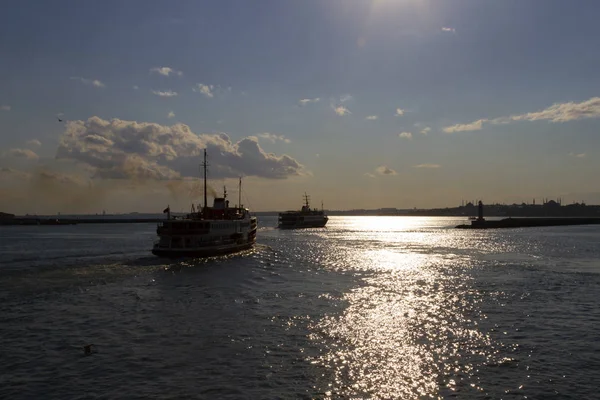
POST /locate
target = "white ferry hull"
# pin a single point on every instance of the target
(209, 251)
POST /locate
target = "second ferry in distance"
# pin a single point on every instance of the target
(305, 218)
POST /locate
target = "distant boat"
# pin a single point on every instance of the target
(212, 231)
(305, 218)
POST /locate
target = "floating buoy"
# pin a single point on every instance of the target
(87, 349)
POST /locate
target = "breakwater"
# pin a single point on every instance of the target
(75, 221)
(527, 223)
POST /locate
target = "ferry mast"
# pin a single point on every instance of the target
(204, 166)
(240, 193)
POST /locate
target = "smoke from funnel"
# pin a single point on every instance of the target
(190, 190)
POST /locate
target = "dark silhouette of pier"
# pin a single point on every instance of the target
(482, 223)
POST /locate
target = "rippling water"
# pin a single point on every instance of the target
(369, 307)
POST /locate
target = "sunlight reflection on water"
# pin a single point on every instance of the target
(410, 330)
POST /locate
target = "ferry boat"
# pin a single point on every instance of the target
(305, 218)
(207, 232)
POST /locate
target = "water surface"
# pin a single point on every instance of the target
(369, 307)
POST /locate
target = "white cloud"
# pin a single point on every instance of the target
(427, 166)
(85, 81)
(118, 149)
(447, 29)
(273, 138)
(399, 112)
(23, 153)
(406, 135)
(206, 90)
(34, 142)
(473, 126)
(371, 117)
(558, 112)
(171, 114)
(168, 93)
(5, 108)
(307, 101)
(385, 170)
(345, 98)
(425, 130)
(341, 110)
(166, 71)
(580, 155)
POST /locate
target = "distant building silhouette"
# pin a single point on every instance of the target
(4, 215)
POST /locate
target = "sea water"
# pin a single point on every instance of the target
(368, 307)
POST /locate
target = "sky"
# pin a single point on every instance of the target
(108, 105)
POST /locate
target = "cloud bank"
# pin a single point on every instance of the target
(22, 153)
(118, 149)
(558, 112)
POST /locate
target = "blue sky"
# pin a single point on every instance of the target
(406, 102)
